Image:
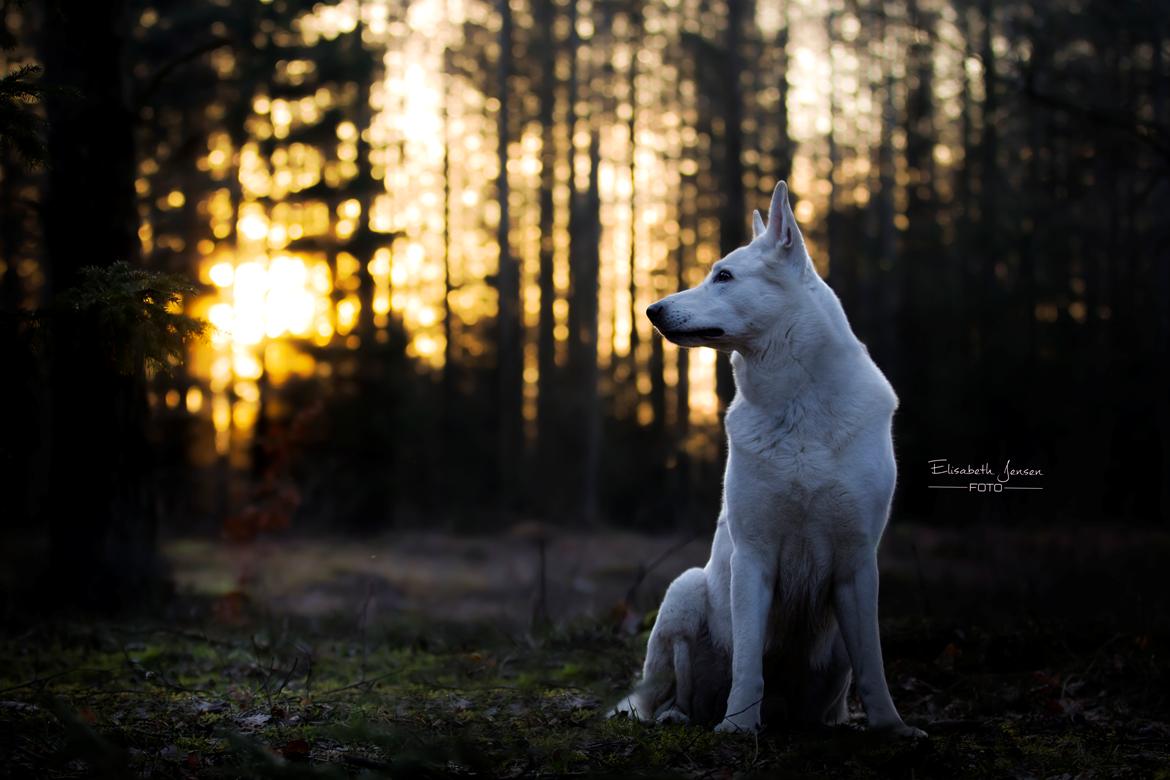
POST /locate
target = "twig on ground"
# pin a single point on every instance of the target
(194, 635)
(511, 688)
(292, 670)
(367, 684)
(148, 675)
(363, 623)
(42, 680)
(308, 653)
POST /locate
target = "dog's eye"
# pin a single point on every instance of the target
(723, 275)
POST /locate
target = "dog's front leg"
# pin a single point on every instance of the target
(856, 601)
(751, 599)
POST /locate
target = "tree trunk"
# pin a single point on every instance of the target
(988, 180)
(1161, 115)
(101, 510)
(510, 365)
(784, 151)
(732, 206)
(839, 275)
(584, 235)
(585, 296)
(887, 299)
(546, 346)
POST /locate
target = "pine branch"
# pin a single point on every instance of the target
(137, 314)
(22, 129)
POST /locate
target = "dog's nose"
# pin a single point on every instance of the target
(654, 311)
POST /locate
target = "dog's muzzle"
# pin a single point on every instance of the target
(678, 332)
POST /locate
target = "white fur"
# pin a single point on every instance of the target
(807, 490)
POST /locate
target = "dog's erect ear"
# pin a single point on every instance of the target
(782, 227)
(757, 225)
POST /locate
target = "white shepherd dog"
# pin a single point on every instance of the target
(806, 495)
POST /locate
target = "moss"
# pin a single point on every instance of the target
(287, 700)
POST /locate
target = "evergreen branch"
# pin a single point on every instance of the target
(22, 129)
(136, 312)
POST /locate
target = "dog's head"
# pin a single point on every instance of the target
(746, 294)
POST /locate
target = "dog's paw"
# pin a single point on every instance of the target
(675, 716)
(729, 726)
(902, 730)
(746, 722)
(629, 707)
(741, 718)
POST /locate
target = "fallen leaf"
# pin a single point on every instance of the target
(255, 720)
(202, 705)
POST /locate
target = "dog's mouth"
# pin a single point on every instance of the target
(697, 334)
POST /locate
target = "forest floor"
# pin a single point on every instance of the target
(1022, 654)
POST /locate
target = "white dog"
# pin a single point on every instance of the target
(807, 490)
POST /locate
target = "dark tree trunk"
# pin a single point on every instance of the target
(584, 228)
(886, 298)
(101, 509)
(784, 151)
(921, 243)
(448, 429)
(839, 276)
(546, 346)
(364, 241)
(988, 183)
(917, 270)
(510, 366)
(21, 405)
(584, 237)
(964, 194)
(632, 261)
(731, 203)
(1161, 80)
(585, 298)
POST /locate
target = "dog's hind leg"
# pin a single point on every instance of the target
(679, 620)
(829, 690)
(683, 678)
(657, 680)
(683, 685)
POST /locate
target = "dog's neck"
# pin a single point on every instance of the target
(802, 352)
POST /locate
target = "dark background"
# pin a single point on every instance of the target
(987, 177)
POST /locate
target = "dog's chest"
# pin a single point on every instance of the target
(787, 488)
(789, 442)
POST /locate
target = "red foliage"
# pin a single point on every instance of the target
(273, 497)
(229, 608)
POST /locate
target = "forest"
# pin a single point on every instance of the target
(334, 438)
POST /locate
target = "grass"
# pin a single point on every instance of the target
(1023, 653)
(269, 696)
